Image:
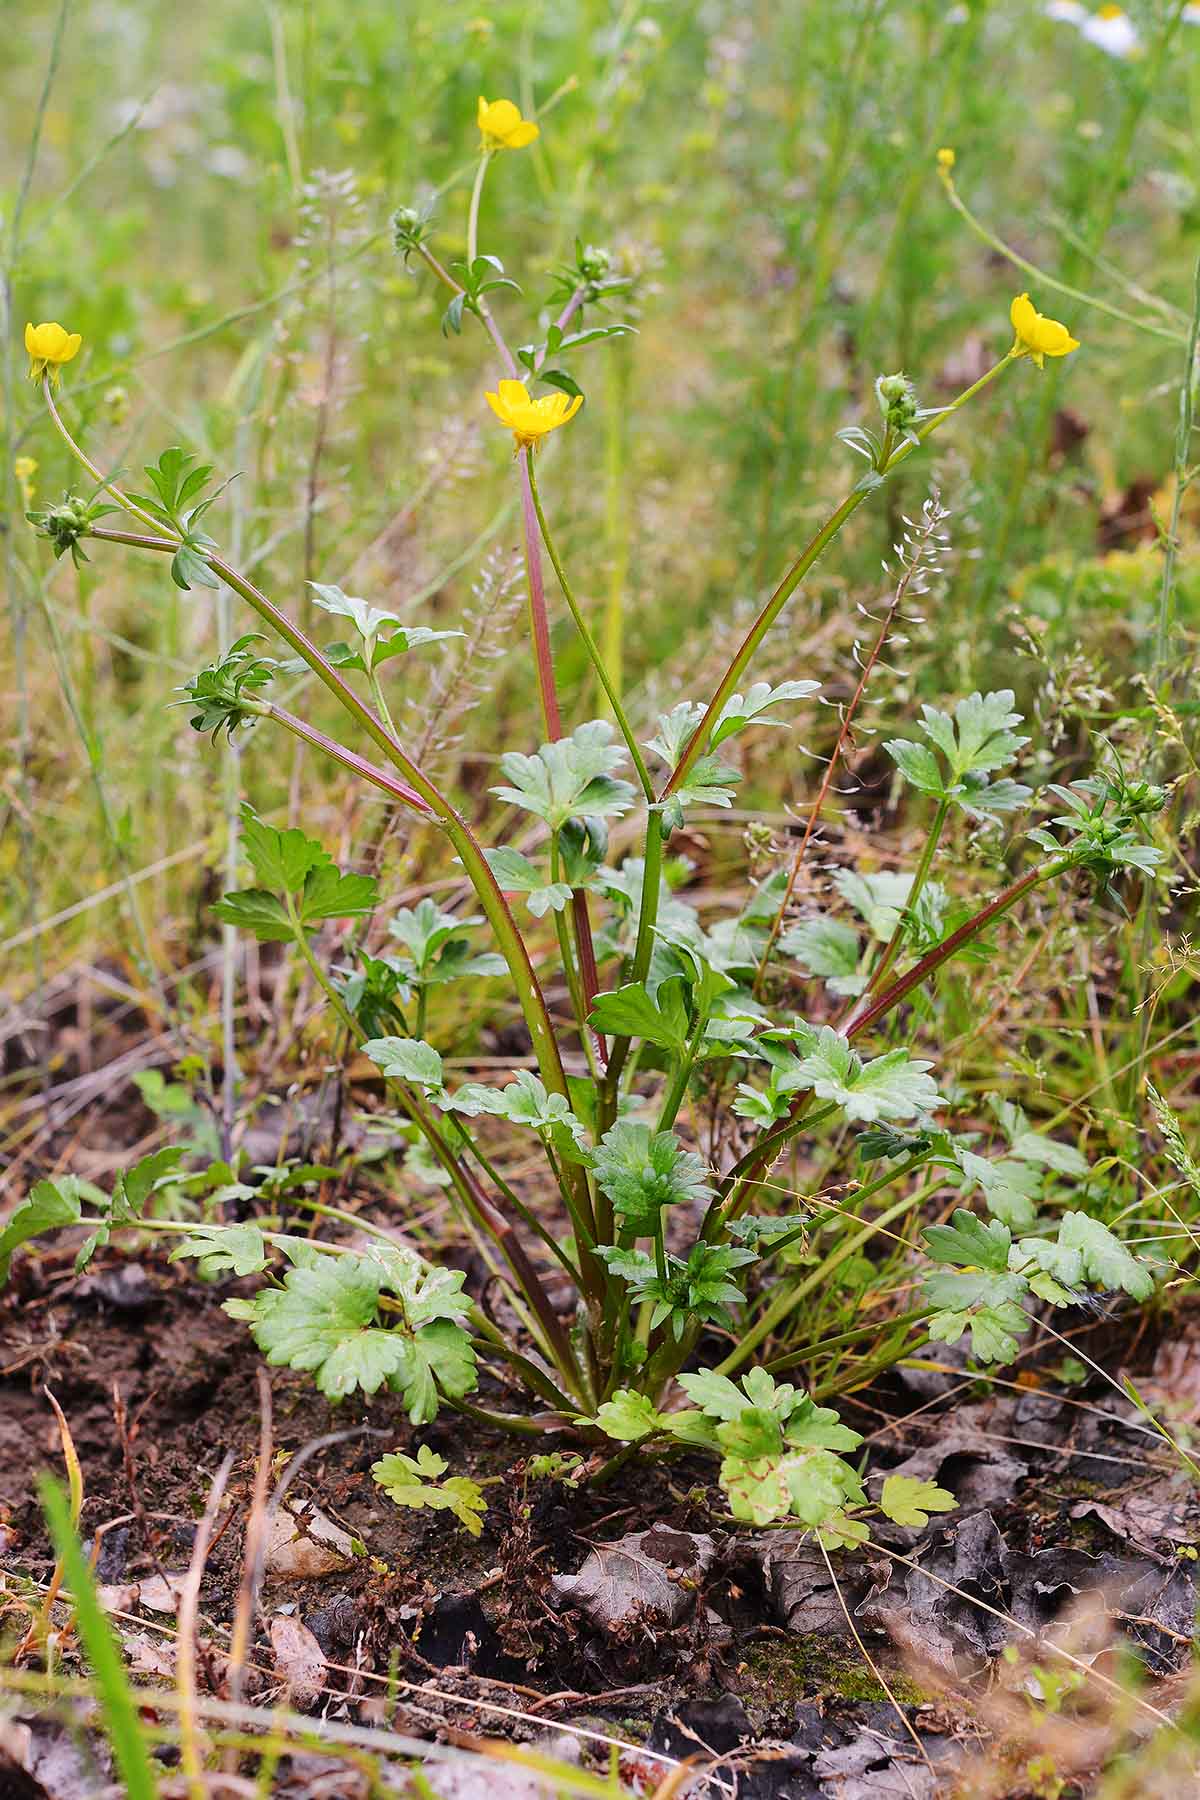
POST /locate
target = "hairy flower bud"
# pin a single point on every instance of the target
(897, 401)
(65, 524)
(410, 226)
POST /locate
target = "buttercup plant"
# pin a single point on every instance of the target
(680, 1269)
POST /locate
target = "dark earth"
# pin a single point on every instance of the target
(636, 1612)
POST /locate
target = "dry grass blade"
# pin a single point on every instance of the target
(263, 1728)
(35, 1637)
(189, 1606)
(253, 1546)
(876, 1672)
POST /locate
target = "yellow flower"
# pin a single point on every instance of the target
(946, 159)
(49, 346)
(1038, 336)
(529, 420)
(501, 126)
(25, 468)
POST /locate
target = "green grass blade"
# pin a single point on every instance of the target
(116, 1697)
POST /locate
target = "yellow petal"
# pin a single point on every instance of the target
(522, 134)
(1023, 315)
(31, 339)
(514, 393)
(498, 407)
(501, 118)
(481, 112)
(1054, 338)
(71, 346)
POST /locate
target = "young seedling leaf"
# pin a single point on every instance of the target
(641, 1171)
(906, 1500)
(630, 1012)
(416, 1481)
(323, 1319)
(892, 1086)
(629, 1417)
(572, 778)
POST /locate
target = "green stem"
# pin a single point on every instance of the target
(642, 951)
(799, 569)
(774, 1140)
(790, 1298)
(616, 510)
(527, 1217)
(761, 1154)
(1166, 614)
(951, 945)
(842, 1339)
(487, 889)
(673, 1098)
(591, 646)
(521, 1423)
(1044, 279)
(473, 210)
(920, 876)
(570, 969)
(348, 759)
(342, 1011)
(380, 699)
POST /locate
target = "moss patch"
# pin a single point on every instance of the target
(782, 1672)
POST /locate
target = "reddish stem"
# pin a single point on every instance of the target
(349, 759)
(539, 620)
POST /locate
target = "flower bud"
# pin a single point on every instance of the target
(65, 524)
(409, 226)
(897, 401)
(594, 262)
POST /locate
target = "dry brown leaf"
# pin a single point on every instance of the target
(305, 1544)
(299, 1661)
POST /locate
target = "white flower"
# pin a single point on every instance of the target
(1109, 28)
(1112, 31)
